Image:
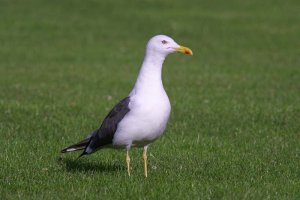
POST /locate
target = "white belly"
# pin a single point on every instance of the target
(145, 122)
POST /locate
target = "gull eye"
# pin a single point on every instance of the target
(164, 42)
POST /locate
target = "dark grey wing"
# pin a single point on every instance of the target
(104, 135)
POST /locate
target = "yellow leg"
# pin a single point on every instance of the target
(128, 162)
(145, 161)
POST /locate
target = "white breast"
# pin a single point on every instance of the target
(146, 120)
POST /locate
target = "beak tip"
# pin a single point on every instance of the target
(188, 52)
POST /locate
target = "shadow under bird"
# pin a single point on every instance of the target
(141, 117)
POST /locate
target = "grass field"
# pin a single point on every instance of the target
(234, 131)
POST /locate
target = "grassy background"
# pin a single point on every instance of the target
(234, 130)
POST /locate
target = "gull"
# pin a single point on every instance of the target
(141, 117)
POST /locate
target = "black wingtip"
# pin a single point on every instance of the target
(78, 146)
(64, 150)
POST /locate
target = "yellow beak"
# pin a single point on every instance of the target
(184, 50)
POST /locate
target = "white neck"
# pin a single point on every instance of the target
(149, 78)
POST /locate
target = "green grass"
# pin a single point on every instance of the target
(234, 130)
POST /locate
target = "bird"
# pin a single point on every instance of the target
(140, 118)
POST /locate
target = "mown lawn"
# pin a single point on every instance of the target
(234, 131)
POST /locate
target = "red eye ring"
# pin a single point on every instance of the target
(164, 42)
